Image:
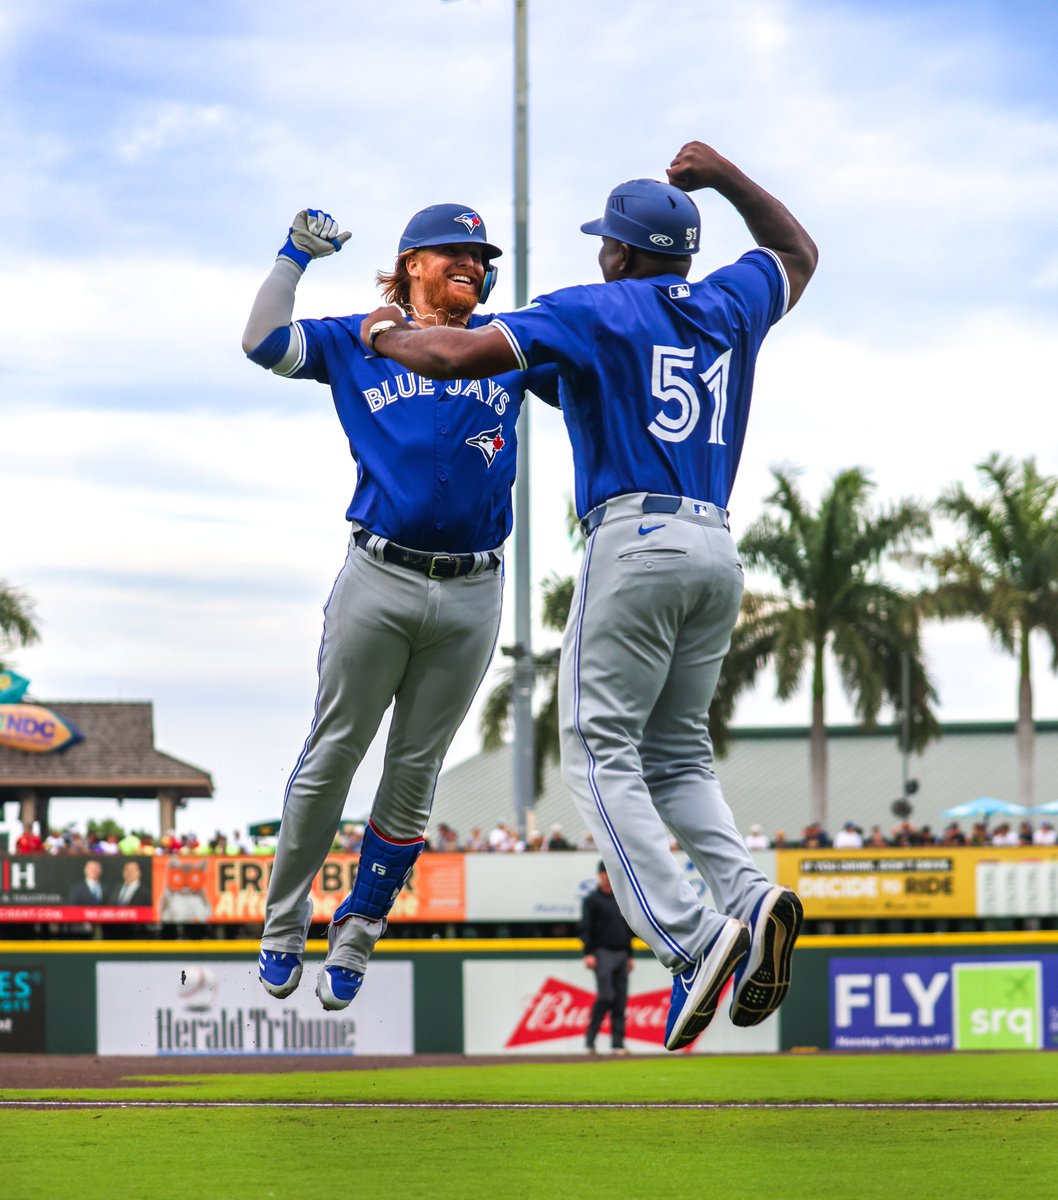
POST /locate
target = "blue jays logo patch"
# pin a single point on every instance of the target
(490, 443)
(470, 219)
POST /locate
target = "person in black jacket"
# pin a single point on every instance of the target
(608, 952)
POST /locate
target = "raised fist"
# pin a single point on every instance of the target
(314, 234)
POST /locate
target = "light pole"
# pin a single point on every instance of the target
(522, 651)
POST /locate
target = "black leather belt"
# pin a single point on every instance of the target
(652, 503)
(435, 566)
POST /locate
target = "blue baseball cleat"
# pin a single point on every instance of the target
(337, 987)
(696, 991)
(280, 973)
(762, 981)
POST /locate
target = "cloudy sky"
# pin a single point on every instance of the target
(178, 514)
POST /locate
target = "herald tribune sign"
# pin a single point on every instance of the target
(220, 1007)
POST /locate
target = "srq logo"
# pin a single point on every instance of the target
(997, 1006)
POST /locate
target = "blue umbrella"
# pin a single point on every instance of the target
(1049, 808)
(985, 806)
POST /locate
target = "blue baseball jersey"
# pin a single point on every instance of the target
(655, 375)
(435, 461)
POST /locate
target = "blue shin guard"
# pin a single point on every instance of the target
(383, 870)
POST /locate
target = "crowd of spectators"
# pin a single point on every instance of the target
(853, 837)
(504, 839)
(501, 839)
(71, 841)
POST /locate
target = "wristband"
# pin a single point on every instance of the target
(289, 250)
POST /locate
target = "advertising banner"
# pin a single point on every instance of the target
(221, 1008)
(944, 1002)
(923, 881)
(22, 1008)
(522, 1006)
(35, 729)
(1022, 883)
(529, 887)
(216, 889)
(103, 888)
(549, 886)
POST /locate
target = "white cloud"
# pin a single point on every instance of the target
(178, 513)
(168, 126)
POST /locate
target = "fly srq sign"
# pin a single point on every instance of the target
(932, 1002)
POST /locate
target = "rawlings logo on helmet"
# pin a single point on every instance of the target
(661, 239)
(470, 219)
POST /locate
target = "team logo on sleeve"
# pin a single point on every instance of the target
(490, 443)
(470, 219)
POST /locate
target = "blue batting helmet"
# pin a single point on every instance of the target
(446, 225)
(651, 215)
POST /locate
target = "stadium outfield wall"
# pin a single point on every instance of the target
(518, 997)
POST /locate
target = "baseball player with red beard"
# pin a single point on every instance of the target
(414, 614)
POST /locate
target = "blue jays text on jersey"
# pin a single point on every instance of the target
(435, 461)
(664, 403)
(407, 384)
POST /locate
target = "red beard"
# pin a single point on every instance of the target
(457, 301)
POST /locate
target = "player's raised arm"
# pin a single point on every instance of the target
(266, 339)
(770, 222)
(442, 352)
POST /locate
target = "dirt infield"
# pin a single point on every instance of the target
(90, 1071)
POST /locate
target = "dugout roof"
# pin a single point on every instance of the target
(116, 760)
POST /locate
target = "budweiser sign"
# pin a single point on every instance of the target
(562, 1010)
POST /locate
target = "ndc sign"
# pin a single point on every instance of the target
(36, 729)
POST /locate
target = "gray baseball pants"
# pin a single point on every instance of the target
(390, 635)
(653, 610)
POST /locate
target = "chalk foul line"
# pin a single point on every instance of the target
(606, 1106)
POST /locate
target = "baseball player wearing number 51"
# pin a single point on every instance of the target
(414, 614)
(655, 377)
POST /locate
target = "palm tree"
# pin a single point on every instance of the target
(834, 602)
(17, 626)
(1004, 570)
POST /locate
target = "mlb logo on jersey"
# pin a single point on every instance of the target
(680, 291)
(470, 219)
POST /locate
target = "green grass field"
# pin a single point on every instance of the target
(578, 1152)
